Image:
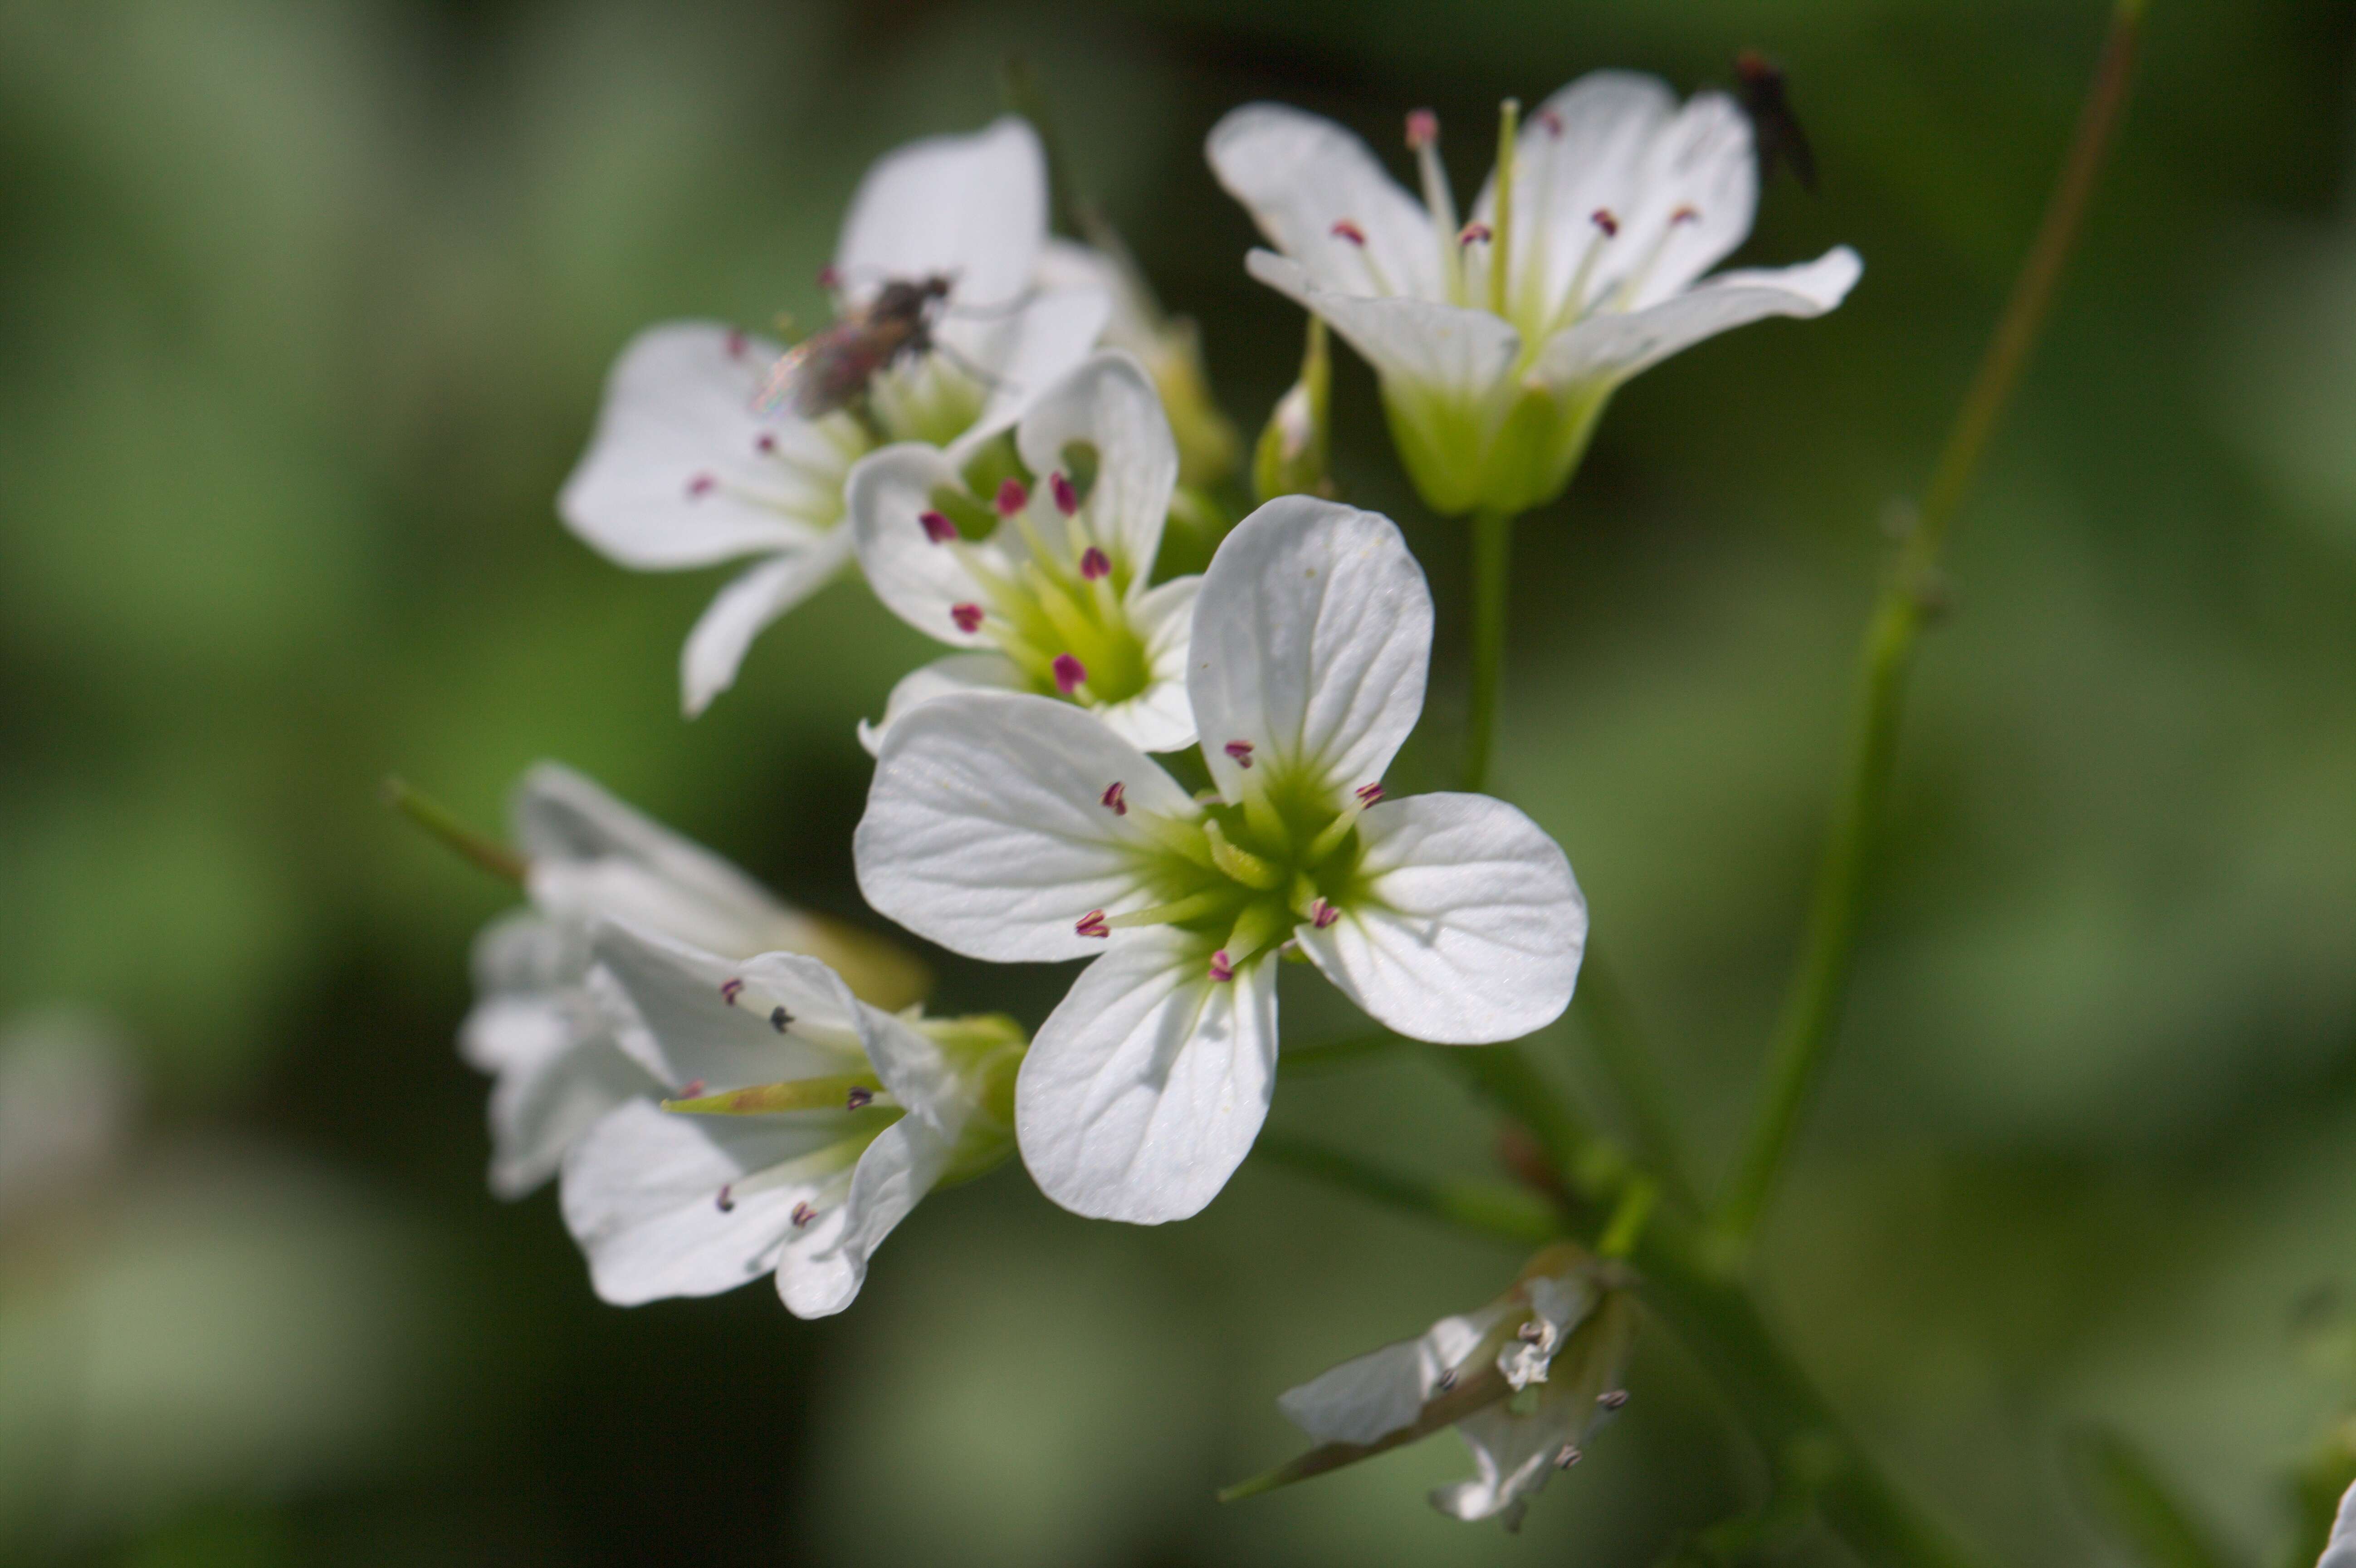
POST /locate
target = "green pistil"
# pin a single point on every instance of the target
(1242, 877)
(845, 1091)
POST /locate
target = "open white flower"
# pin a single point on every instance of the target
(1015, 829)
(1499, 339)
(687, 470)
(1058, 591)
(536, 1027)
(1524, 1379)
(806, 1125)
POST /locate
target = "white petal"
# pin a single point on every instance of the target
(1050, 336)
(1299, 174)
(1161, 717)
(973, 207)
(986, 830)
(1473, 929)
(943, 678)
(686, 1024)
(522, 953)
(1443, 350)
(546, 1099)
(1145, 1087)
(1109, 404)
(919, 579)
(683, 471)
(1311, 636)
(894, 1174)
(1704, 163)
(2341, 1551)
(1612, 347)
(591, 856)
(706, 666)
(1384, 1390)
(642, 1197)
(1513, 1456)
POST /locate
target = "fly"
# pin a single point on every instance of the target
(830, 369)
(1775, 127)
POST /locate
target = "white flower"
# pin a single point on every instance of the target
(537, 1028)
(1524, 1379)
(806, 1125)
(1058, 589)
(1015, 829)
(687, 470)
(1494, 375)
(2342, 1551)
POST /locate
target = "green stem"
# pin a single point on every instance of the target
(1493, 557)
(1335, 1055)
(1803, 1033)
(1490, 1208)
(1608, 1019)
(443, 823)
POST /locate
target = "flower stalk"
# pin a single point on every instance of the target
(1909, 601)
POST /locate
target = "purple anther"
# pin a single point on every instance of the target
(1241, 752)
(966, 616)
(1116, 798)
(1473, 234)
(802, 1215)
(1092, 924)
(1070, 674)
(730, 990)
(937, 527)
(1068, 500)
(1345, 230)
(1423, 129)
(1369, 794)
(1603, 219)
(1011, 497)
(780, 1019)
(1222, 969)
(1093, 564)
(727, 1204)
(1322, 914)
(858, 1097)
(700, 486)
(691, 1089)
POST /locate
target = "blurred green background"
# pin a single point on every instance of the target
(303, 311)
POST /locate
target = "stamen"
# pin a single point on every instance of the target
(1530, 1333)
(780, 1019)
(802, 1215)
(1447, 1380)
(1322, 914)
(828, 278)
(1369, 794)
(1501, 260)
(1685, 214)
(1473, 234)
(1239, 864)
(1092, 924)
(765, 445)
(1613, 1399)
(1568, 1456)
(1423, 129)
(730, 989)
(736, 342)
(1116, 799)
(1011, 497)
(1241, 751)
(859, 1095)
(1423, 140)
(700, 486)
(1070, 674)
(966, 616)
(1345, 230)
(1603, 219)
(1093, 564)
(937, 527)
(727, 1205)
(691, 1089)
(1221, 970)
(1552, 121)
(1068, 500)
(1193, 906)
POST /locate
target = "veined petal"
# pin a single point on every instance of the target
(1161, 717)
(1441, 350)
(593, 856)
(687, 1021)
(1612, 347)
(1473, 927)
(1381, 1391)
(1311, 636)
(919, 579)
(1024, 356)
(644, 1193)
(1145, 1087)
(1514, 1455)
(743, 610)
(2342, 1551)
(973, 207)
(1299, 175)
(894, 1173)
(683, 471)
(943, 678)
(1703, 165)
(562, 1074)
(1110, 405)
(522, 953)
(986, 829)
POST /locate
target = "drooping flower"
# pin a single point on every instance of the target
(1498, 340)
(688, 468)
(801, 1126)
(1524, 1379)
(1015, 829)
(1057, 592)
(537, 1028)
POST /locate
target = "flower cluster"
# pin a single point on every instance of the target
(1182, 779)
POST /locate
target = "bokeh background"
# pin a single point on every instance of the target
(304, 310)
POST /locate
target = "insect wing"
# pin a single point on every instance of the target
(1776, 128)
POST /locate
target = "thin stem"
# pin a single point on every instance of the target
(1608, 1019)
(1804, 1034)
(1335, 1055)
(1490, 1208)
(1493, 559)
(443, 824)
